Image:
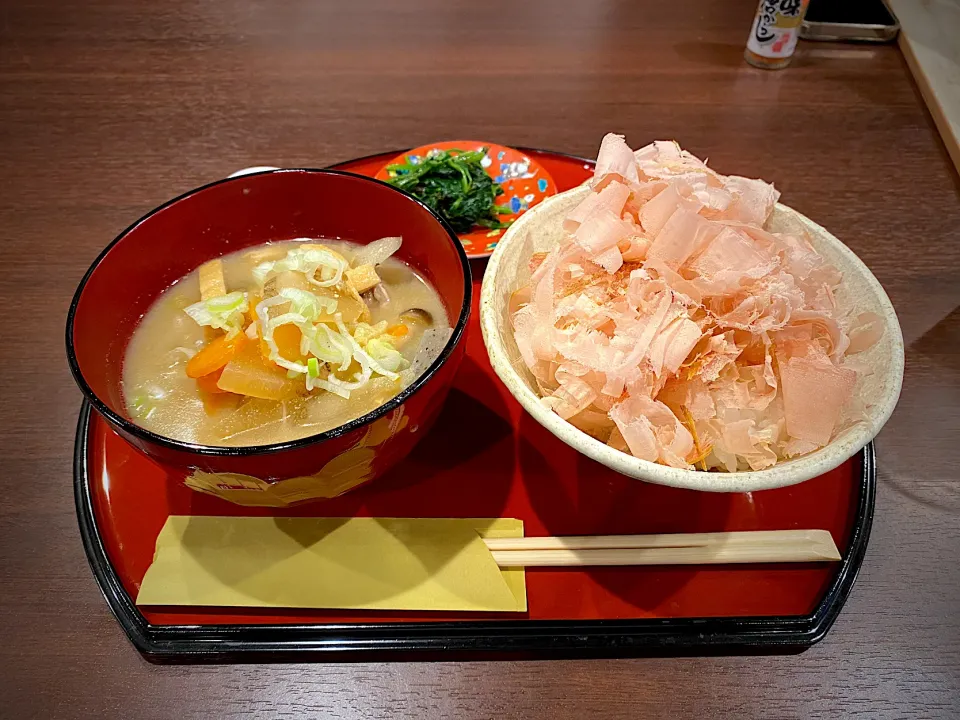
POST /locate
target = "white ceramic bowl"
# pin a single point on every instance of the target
(540, 229)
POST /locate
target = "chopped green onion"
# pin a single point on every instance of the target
(226, 303)
(308, 304)
(142, 407)
(224, 312)
(386, 355)
(309, 262)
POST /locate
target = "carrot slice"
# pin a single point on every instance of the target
(287, 338)
(252, 312)
(208, 383)
(215, 354)
(398, 330)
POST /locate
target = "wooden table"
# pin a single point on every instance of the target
(109, 107)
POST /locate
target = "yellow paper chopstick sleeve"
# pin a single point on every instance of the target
(349, 563)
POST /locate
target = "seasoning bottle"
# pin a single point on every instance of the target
(773, 37)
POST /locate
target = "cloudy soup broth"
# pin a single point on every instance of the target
(282, 341)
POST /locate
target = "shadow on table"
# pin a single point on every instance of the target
(917, 458)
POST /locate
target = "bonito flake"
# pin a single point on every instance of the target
(671, 325)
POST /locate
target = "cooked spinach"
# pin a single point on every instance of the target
(455, 185)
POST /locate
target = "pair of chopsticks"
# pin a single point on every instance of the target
(757, 546)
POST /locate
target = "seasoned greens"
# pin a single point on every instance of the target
(455, 185)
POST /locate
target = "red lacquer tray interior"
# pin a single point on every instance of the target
(487, 458)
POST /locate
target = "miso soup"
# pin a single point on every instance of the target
(281, 341)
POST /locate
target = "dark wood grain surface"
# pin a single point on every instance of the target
(108, 108)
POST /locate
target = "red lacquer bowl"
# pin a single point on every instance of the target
(242, 212)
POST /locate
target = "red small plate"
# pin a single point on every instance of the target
(525, 183)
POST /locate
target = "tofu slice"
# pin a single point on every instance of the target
(212, 283)
(363, 278)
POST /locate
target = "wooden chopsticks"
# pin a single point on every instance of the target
(757, 546)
